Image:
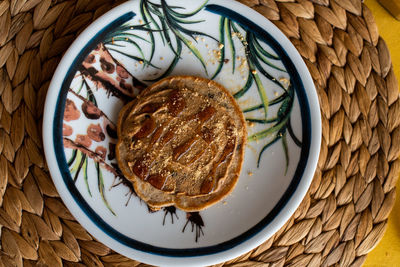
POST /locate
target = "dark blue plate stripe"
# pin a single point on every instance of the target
(99, 222)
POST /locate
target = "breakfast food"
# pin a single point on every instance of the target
(181, 142)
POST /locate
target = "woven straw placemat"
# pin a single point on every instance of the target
(343, 216)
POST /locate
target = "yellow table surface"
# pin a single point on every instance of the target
(387, 252)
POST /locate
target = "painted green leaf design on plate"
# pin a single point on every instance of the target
(100, 183)
(221, 46)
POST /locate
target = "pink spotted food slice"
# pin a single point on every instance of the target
(181, 142)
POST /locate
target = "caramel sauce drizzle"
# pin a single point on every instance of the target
(141, 167)
(208, 185)
(176, 104)
(205, 114)
(207, 135)
(147, 128)
(179, 151)
(151, 107)
(157, 180)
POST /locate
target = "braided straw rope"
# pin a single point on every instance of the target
(345, 212)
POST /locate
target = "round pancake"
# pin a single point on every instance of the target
(181, 142)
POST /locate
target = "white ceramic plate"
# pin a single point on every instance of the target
(140, 42)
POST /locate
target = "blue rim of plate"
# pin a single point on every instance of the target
(186, 252)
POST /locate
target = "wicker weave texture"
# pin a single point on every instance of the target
(344, 214)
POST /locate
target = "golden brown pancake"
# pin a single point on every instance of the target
(181, 142)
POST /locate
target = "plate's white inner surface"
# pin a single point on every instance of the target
(258, 189)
